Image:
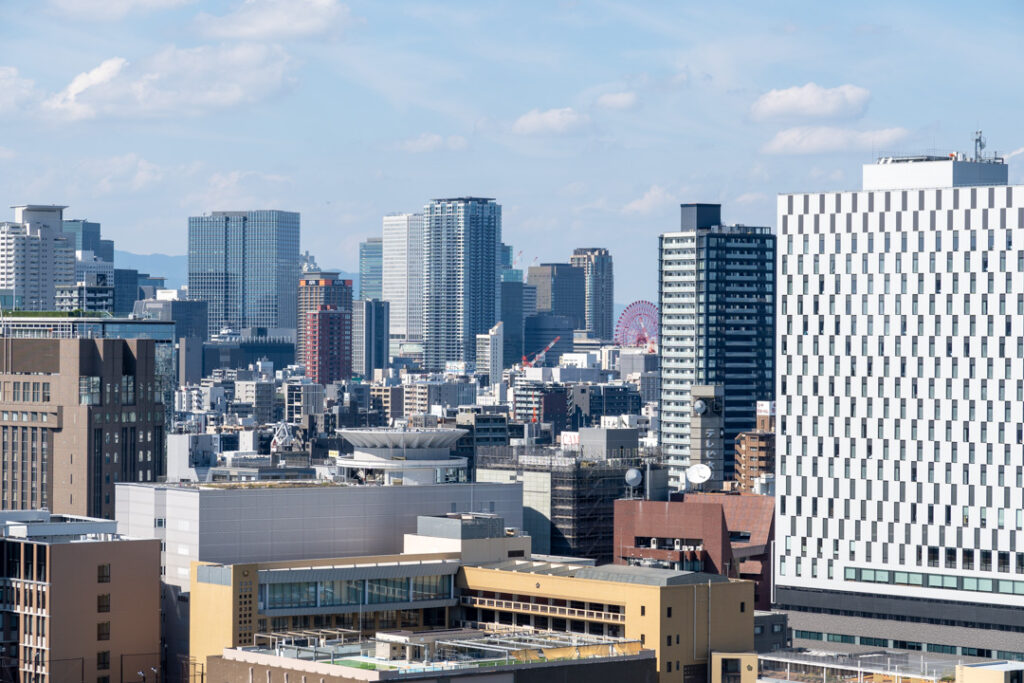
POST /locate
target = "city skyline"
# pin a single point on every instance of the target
(607, 118)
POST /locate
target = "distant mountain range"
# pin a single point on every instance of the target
(175, 268)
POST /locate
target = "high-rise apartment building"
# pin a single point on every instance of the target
(716, 293)
(76, 417)
(319, 288)
(461, 241)
(561, 290)
(35, 256)
(402, 281)
(370, 337)
(371, 255)
(900, 409)
(328, 344)
(599, 285)
(245, 265)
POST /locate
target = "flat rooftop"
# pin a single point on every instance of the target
(433, 652)
(648, 576)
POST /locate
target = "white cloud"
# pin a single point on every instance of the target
(176, 82)
(6, 153)
(15, 89)
(537, 122)
(430, 142)
(655, 198)
(128, 172)
(617, 100)
(1014, 153)
(108, 10)
(233, 189)
(275, 19)
(812, 101)
(819, 139)
(66, 101)
(751, 198)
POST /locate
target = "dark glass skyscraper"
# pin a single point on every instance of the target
(371, 268)
(245, 265)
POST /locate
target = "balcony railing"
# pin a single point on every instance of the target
(543, 610)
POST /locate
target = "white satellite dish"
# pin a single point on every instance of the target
(634, 477)
(699, 406)
(698, 474)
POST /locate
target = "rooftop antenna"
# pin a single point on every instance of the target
(979, 145)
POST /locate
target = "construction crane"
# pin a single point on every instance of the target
(538, 357)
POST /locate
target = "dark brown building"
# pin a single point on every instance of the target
(755, 451)
(719, 533)
(76, 417)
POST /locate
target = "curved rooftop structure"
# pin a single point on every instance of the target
(402, 439)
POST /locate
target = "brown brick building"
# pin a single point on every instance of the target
(719, 533)
(755, 450)
(76, 417)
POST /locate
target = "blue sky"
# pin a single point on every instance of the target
(588, 121)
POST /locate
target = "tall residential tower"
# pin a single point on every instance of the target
(461, 267)
(599, 283)
(716, 294)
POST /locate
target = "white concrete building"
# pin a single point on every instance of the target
(900, 398)
(402, 281)
(490, 351)
(35, 256)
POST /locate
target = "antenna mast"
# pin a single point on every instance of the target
(979, 145)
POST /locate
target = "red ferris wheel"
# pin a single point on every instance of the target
(637, 325)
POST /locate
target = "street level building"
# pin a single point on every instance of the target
(721, 533)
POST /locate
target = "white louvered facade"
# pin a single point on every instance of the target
(900, 399)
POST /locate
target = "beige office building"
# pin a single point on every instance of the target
(79, 602)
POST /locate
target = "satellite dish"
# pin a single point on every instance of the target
(699, 406)
(698, 474)
(634, 477)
